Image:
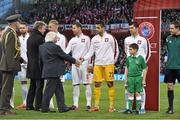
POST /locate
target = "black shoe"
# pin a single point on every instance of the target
(170, 111)
(137, 112)
(64, 109)
(29, 108)
(2, 112)
(37, 109)
(88, 108)
(48, 111)
(127, 111)
(9, 112)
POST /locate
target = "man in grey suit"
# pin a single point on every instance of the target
(10, 63)
(52, 59)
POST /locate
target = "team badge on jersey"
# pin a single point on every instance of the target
(106, 39)
(146, 29)
(82, 40)
(139, 42)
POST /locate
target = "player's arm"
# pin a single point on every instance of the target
(147, 50)
(125, 75)
(125, 47)
(144, 72)
(90, 52)
(116, 50)
(68, 49)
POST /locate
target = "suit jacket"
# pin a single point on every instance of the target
(33, 43)
(52, 59)
(10, 60)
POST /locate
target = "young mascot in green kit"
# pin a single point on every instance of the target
(134, 76)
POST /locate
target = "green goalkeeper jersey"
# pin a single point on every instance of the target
(135, 65)
(173, 47)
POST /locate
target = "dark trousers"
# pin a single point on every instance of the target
(53, 85)
(6, 91)
(35, 93)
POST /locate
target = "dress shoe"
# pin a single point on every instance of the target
(2, 112)
(9, 112)
(48, 111)
(64, 109)
(29, 108)
(37, 109)
(170, 111)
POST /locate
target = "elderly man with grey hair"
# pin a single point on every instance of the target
(52, 59)
(33, 69)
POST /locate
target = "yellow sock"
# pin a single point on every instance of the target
(97, 94)
(111, 92)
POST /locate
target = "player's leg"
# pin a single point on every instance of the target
(138, 90)
(143, 99)
(126, 99)
(109, 77)
(170, 80)
(86, 82)
(24, 88)
(130, 91)
(76, 86)
(98, 78)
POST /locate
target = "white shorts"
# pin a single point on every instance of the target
(22, 73)
(80, 74)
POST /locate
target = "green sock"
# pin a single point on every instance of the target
(130, 104)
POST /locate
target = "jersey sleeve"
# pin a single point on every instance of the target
(116, 50)
(69, 47)
(91, 50)
(148, 50)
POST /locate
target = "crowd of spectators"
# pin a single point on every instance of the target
(86, 12)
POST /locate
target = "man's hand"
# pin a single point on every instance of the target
(90, 69)
(144, 83)
(77, 63)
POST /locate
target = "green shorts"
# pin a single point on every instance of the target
(135, 84)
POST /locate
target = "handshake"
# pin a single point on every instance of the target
(79, 62)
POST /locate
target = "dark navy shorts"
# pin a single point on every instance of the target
(171, 75)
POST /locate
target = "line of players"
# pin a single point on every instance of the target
(104, 48)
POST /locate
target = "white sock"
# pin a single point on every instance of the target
(12, 98)
(76, 92)
(88, 94)
(126, 99)
(143, 99)
(24, 92)
(51, 104)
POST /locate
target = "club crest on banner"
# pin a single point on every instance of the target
(146, 29)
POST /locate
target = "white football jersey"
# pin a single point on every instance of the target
(23, 43)
(79, 46)
(144, 46)
(104, 49)
(62, 41)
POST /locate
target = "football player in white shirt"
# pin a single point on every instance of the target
(79, 46)
(23, 28)
(144, 50)
(62, 42)
(106, 51)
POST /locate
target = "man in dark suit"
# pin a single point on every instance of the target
(33, 69)
(52, 59)
(10, 63)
